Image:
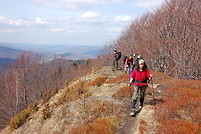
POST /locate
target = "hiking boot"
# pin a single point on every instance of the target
(140, 107)
(132, 112)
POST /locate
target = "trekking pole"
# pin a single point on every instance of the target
(152, 90)
(130, 91)
(130, 72)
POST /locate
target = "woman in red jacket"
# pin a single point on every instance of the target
(140, 75)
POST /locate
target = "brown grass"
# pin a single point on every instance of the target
(124, 78)
(180, 111)
(74, 92)
(98, 81)
(179, 127)
(159, 77)
(48, 95)
(103, 117)
(142, 127)
(123, 92)
(98, 109)
(46, 112)
(22, 117)
(99, 126)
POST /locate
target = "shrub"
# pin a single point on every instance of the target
(179, 127)
(46, 112)
(54, 91)
(48, 95)
(180, 111)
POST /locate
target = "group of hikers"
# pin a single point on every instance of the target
(135, 65)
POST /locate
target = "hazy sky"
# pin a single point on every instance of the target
(74, 22)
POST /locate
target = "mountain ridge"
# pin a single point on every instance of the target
(63, 51)
(99, 102)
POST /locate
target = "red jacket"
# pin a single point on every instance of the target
(129, 61)
(140, 77)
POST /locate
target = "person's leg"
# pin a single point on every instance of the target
(142, 95)
(134, 98)
(125, 68)
(117, 64)
(114, 64)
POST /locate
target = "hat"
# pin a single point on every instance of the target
(141, 61)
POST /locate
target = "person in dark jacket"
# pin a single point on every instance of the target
(140, 75)
(117, 56)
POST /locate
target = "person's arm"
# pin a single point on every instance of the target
(132, 78)
(126, 61)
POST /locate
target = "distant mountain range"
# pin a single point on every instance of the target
(9, 52)
(70, 52)
(4, 62)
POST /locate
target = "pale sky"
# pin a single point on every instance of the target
(68, 22)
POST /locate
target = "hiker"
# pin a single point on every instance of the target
(128, 64)
(137, 57)
(139, 78)
(117, 56)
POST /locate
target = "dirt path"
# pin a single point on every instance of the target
(130, 122)
(144, 122)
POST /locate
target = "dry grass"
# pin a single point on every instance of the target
(179, 127)
(74, 92)
(124, 78)
(142, 127)
(98, 126)
(98, 81)
(22, 117)
(103, 118)
(103, 109)
(48, 95)
(46, 112)
(159, 77)
(180, 111)
(123, 92)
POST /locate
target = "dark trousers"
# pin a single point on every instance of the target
(136, 95)
(115, 64)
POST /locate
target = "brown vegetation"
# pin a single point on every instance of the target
(123, 92)
(97, 82)
(105, 118)
(99, 126)
(119, 79)
(180, 110)
(142, 127)
(22, 117)
(74, 92)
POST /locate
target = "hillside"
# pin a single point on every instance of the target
(6, 52)
(4, 62)
(100, 103)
